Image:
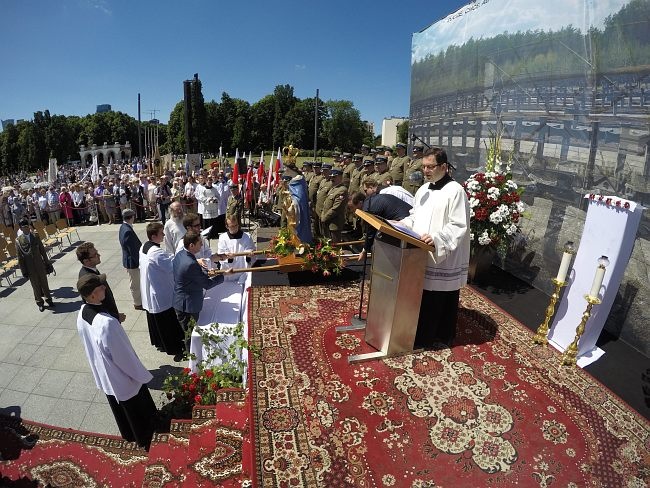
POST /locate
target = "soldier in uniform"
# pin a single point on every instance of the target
(308, 171)
(365, 152)
(388, 152)
(235, 202)
(411, 183)
(355, 177)
(335, 206)
(399, 164)
(381, 174)
(368, 170)
(348, 167)
(321, 195)
(312, 190)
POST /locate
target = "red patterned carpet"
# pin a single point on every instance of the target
(492, 410)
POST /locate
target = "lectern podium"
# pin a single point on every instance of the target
(397, 276)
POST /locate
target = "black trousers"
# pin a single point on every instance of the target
(135, 417)
(438, 318)
(184, 319)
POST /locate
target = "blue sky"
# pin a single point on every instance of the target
(70, 55)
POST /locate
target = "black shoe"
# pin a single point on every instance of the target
(179, 357)
(50, 303)
(41, 307)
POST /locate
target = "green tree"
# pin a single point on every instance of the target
(284, 100)
(262, 117)
(176, 130)
(343, 127)
(9, 150)
(199, 126)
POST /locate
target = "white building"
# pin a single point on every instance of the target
(389, 130)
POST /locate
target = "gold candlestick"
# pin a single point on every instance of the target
(569, 358)
(541, 336)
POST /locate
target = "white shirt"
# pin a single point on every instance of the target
(444, 214)
(209, 198)
(115, 365)
(228, 245)
(224, 192)
(197, 191)
(156, 279)
(174, 232)
(399, 192)
(204, 253)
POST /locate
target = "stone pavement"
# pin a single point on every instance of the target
(44, 373)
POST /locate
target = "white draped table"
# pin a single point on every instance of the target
(227, 305)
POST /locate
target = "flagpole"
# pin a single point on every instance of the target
(316, 125)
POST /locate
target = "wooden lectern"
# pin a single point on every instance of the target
(397, 277)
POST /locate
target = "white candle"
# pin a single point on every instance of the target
(598, 281)
(564, 267)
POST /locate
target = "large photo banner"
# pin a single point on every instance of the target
(566, 83)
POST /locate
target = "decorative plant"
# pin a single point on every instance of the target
(495, 202)
(188, 388)
(285, 243)
(322, 257)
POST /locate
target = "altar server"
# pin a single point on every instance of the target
(441, 217)
(235, 241)
(157, 289)
(115, 366)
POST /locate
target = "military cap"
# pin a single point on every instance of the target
(327, 166)
(389, 149)
(336, 172)
(365, 146)
(368, 162)
(233, 184)
(346, 155)
(357, 157)
(317, 164)
(308, 163)
(373, 151)
(400, 145)
(286, 177)
(381, 159)
(380, 148)
(418, 148)
(336, 154)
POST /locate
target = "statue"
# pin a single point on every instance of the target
(290, 153)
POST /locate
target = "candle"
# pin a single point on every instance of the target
(569, 250)
(598, 279)
(564, 267)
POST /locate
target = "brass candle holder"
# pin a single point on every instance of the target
(541, 336)
(570, 356)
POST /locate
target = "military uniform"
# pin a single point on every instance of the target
(347, 174)
(235, 206)
(410, 168)
(321, 193)
(383, 179)
(397, 168)
(307, 172)
(333, 213)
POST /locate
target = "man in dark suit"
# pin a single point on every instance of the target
(189, 282)
(131, 255)
(34, 263)
(89, 258)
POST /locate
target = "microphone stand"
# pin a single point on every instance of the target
(356, 322)
(418, 138)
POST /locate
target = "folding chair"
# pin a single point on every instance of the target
(53, 238)
(65, 230)
(10, 262)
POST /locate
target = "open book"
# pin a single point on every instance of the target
(395, 224)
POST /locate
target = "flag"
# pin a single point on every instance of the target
(249, 187)
(260, 170)
(235, 170)
(269, 192)
(278, 167)
(94, 174)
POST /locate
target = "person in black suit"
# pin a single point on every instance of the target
(34, 264)
(190, 280)
(131, 244)
(89, 258)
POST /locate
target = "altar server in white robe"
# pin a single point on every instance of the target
(441, 216)
(235, 241)
(114, 364)
(157, 290)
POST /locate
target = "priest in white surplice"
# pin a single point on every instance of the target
(235, 241)
(157, 290)
(441, 216)
(114, 364)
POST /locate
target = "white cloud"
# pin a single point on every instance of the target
(488, 18)
(99, 5)
(300, 67)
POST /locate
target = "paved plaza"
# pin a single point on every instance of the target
(44, 373)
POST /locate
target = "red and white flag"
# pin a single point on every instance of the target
(249, 187)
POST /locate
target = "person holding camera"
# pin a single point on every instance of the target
(34, 264)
